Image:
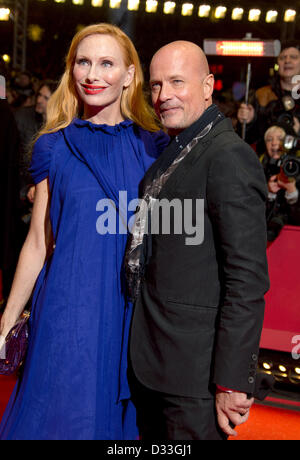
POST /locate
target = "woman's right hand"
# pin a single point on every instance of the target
(6, 324)
(32, 258)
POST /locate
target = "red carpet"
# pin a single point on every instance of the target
(265, 423)
(282, 319)
(270, 423)
(6, 387)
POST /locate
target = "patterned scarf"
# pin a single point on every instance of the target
(134, 259)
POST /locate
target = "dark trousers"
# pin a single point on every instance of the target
(166, 417)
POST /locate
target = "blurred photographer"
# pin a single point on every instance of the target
(274, 104)
(29, 121)
(9, 187)
(283, 205)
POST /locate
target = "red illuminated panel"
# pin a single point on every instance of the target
(239, 48)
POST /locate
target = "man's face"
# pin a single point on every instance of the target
(289, 63)
(42, 99)
(181, 90)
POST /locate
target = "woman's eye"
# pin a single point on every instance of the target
(82, 61)
(107, 63)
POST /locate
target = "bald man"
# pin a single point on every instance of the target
(199, 292)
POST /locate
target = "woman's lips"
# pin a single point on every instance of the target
(91, 89)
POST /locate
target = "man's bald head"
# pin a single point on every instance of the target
(181, 49)
(181, 84)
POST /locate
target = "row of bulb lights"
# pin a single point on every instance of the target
(282, 372)
(187, 9)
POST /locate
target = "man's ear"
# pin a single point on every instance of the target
(130, 76)
(208, 86)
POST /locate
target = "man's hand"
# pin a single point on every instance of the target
(232, 407)
(245, 113)
(280, 181)
(273, 185)
(296, 125)
(287, 183)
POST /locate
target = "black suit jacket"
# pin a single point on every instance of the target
(198, 318)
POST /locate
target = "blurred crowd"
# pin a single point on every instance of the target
(23, 113)
(271, 122)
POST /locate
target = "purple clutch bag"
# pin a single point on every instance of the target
(16, 344)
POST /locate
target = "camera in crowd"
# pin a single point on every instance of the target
(288, 163)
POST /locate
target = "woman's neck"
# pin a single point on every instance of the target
(105, 115)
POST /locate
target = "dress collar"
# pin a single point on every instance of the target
(114, 130)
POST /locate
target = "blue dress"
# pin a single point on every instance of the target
(74, 384)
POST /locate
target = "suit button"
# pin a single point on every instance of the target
(251, 380)
(254, 357)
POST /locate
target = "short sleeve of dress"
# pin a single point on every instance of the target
(161, 140)
(155, 142)
(41, 156)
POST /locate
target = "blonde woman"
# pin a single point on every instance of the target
(99, 140)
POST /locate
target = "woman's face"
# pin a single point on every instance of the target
(100, 75)
(274, 143)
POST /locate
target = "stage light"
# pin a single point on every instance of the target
(35, 32)
(237, 14)
(204, 11)
(77, 2)
(271, 16)
(187, 9)
(97, 3)
(151, 6)
(289, 16)
(6, 58)
(115, 4)
(297, 370)
(254, 15)
(267, 366)
(220, 12)
(282, 368)
(169, 7)
(59, 1)
(4, 14)
(133, 5)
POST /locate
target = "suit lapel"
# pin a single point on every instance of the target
(179, 175)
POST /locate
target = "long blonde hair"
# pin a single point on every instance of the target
(64, 104)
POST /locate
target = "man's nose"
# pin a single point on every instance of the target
(164, 93)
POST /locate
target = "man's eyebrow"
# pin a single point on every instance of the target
(171, 77)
